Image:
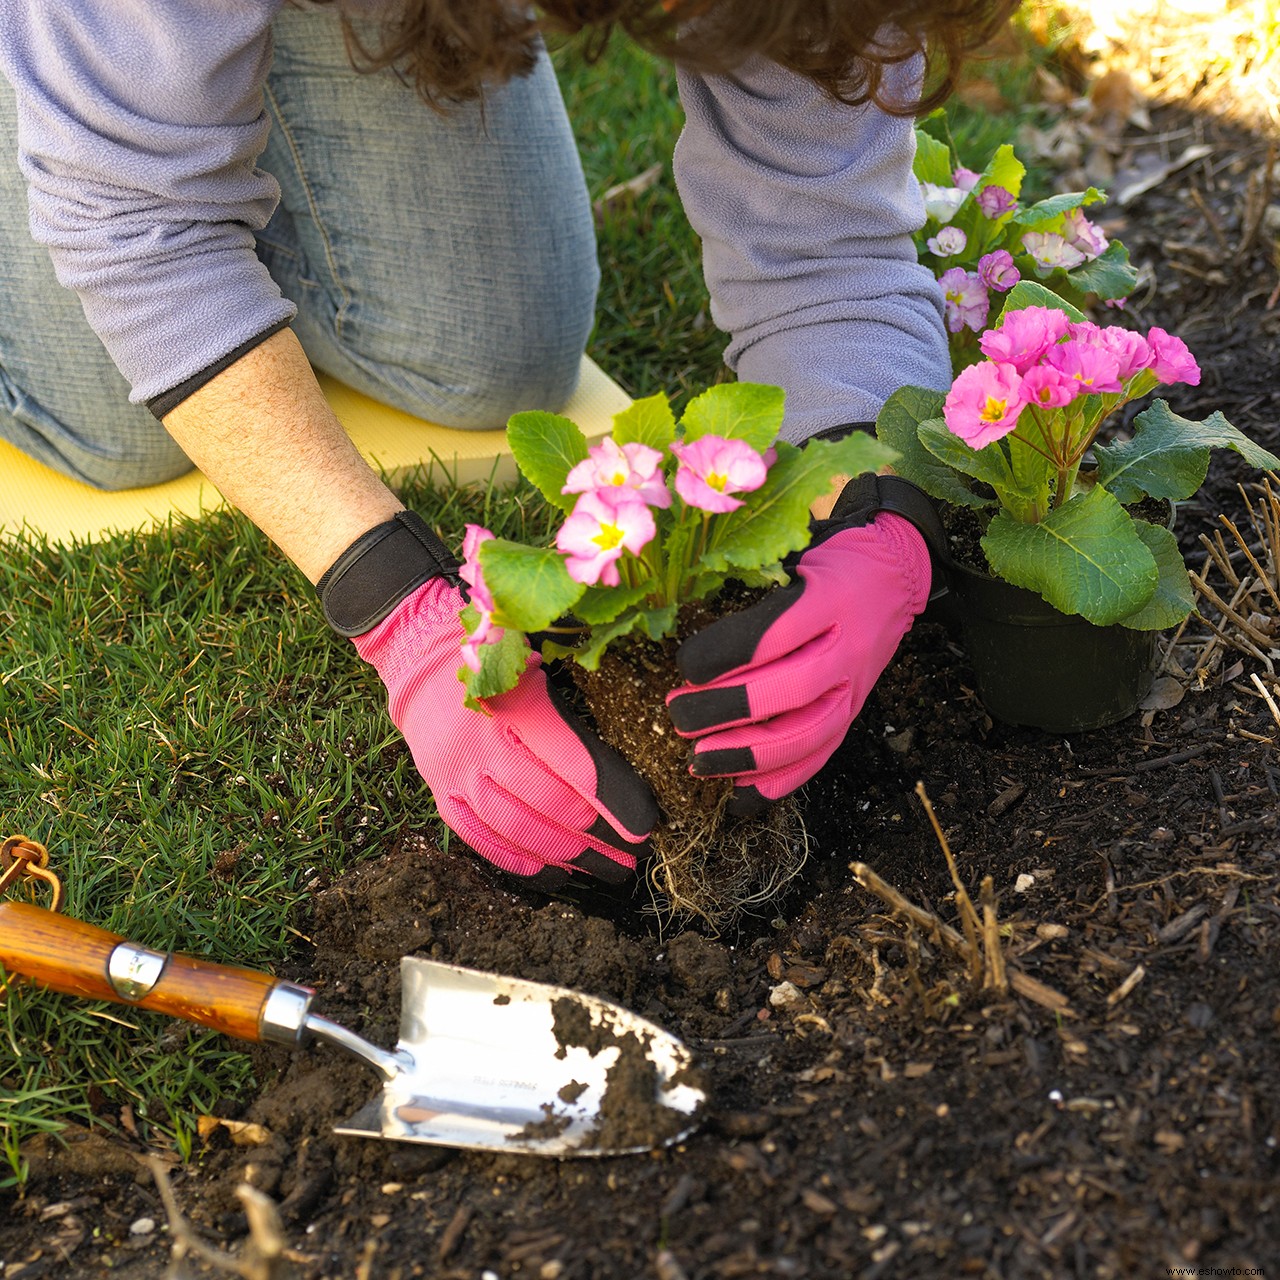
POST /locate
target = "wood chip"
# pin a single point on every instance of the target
(1139, 972)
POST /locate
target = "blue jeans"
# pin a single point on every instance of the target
(442, 264)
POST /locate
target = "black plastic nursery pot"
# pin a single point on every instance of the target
(1037, 667)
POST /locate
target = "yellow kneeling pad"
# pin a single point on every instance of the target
(65, 510)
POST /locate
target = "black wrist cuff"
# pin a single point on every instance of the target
(845, 429)
(379, 569)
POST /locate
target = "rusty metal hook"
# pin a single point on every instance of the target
(29, 859)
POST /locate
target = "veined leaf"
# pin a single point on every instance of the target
(932, 160)
(988, 464)
(1004, 169)
(654, 623)
(1111, 275)
(1174, 598)
(546, 447)
(777, 522)
(1168, 456)
(1085, 557)
(599, 605)
(501, 663)
(648, 421)
(1026, 293)
(1047, 210)
(898, 425)
(531, 587)
(747, 411)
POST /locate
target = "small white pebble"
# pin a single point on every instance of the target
(1023, 883)
(390, 1188)
(490, 1275)
(142, 1227)
(786, 995)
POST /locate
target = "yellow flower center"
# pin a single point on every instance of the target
(608, 537)
(993, 410)
(717, 482)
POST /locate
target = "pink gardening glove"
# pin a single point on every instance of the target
(527, 786)
(772, 690)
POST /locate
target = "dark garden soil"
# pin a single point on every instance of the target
(875, 1109)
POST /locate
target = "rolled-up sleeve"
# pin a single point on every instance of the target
(806, 209)
(140, 126)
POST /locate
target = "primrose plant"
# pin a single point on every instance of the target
(658, 514)
(979, 242)
(1017, 438)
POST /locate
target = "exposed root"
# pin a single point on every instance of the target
(706, 865)
(718, 869)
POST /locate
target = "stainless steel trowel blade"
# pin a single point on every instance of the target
(485, 1068)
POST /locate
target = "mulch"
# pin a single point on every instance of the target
(882, 1103)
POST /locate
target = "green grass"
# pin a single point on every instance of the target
(198, 751)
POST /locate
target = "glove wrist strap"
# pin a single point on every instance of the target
(379, 569)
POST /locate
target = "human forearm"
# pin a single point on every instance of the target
(264, 434)
(806, 210)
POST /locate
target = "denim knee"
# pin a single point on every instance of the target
(97, 440)
(474, 392)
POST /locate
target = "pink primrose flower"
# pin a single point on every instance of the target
(1048, 388)
(996, 270)
(603, 524)
(983, 403)
(995, 201)
(473, 575)
(1083, 235)
(1023, 336)
(1171, 361)
(1118, 303)
(630, 466)
(1049, 250)
(1132, 351)
(948, 241)
(1095, 369)
(965, 179)
(712, 468)
(941, 202)
(965, 298)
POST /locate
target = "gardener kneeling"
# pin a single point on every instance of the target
(249, 206)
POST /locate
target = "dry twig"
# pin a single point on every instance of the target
(265, 1255)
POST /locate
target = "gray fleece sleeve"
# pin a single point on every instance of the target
(140, 125)
(806, 208)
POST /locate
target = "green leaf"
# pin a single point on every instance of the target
(599, 605)
(655, 623)
(1044, 211)
(1109, 276)
(1004, 169)
(1168, 456)
(1174, 598)
(1026, 293)
(1085, 557)
(501, 664)
(933, 160)
(546, 447)
(648, 421)
(898, 425)
(988, 464)
(776, 521)
(747, 411)
(531, 587)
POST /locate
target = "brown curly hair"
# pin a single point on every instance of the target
(451, 49)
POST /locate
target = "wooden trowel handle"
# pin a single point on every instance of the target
(79, 959)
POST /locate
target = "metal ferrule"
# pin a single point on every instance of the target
(133, 971)
(284, 1014)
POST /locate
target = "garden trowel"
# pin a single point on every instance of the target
(484, 1061)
